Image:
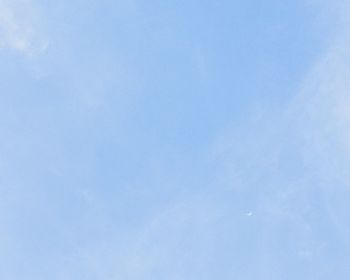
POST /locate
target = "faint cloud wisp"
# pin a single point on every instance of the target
(18, 31)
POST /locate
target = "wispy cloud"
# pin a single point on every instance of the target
(322, 111)
(292, 163)
(322, 106)
(18, 31)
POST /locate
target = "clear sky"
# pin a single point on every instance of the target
(187, 140)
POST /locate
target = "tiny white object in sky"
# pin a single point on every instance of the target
(249, 214)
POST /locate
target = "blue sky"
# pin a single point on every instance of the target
(174, 139)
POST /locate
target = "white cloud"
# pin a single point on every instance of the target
(18, 28)
(296, 161)
(322, 110)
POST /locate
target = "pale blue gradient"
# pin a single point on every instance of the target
(174, 140)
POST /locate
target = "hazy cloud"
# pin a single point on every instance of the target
(18, 30)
